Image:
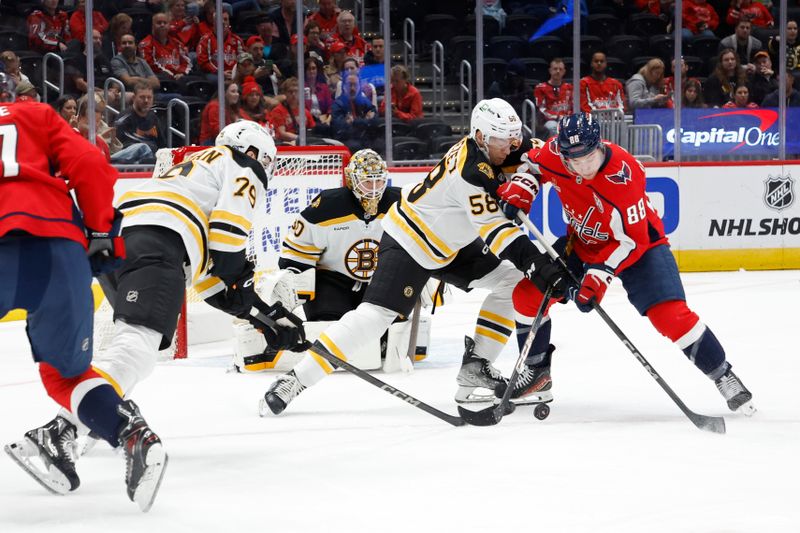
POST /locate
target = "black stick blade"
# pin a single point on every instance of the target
(714, 424)
(490, 416)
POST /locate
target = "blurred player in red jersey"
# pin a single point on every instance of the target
(613, 231)
(49, 249)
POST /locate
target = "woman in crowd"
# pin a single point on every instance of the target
(252, 105)
(317, 95)
(67, 107)
(120, 25)
(646, 88)
(719, 87)
(741, 98)
(209, 121)
(284, 117)
(693, 94)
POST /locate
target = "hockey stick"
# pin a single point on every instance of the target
(494, 414)
(715, 424)
(369, 378)
(412, 340)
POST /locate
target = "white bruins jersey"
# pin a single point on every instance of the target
(209, 199)
(333, 233)
(452, 206)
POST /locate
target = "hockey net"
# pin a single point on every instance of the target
(300, 174)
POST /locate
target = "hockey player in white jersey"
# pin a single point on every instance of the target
(450, 227)
(326, 262)
(188, 226)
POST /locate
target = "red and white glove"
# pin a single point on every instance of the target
(593, 288)
(517, 193)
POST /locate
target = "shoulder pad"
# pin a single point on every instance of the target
(248, 162)
(331, 204)
(476, 169)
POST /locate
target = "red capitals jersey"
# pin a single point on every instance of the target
(610, 215)
(355, 48)
(605, 94)
(45, 31)
(207, 52)
(35, 144)
(553, 102)
(171, 58)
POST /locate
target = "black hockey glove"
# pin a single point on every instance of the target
(237, 299)
(279, 336)
(545, 273)
(106, 249)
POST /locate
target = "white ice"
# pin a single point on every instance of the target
(615, 455)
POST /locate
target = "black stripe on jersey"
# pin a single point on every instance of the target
(304, 252)
(246, 161)
(419, 232)
(228, 227)
(492, 234)
(492, 325)
(143, 201)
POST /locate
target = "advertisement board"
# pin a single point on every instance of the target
(724, 132)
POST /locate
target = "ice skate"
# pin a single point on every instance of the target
(282, 391)
(47, 453)
(476, 373)
(533, 384)
(735, 393)
(145, 457)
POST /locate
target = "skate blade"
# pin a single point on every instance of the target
(148, 486)
(534, 398)
(466, 394)
(747, 409)
(53, 479)
(263, 409)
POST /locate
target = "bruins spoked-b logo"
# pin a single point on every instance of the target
(361, 259)
(779, 192)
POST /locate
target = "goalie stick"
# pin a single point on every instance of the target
(412, 341)
(369, 378)
(715, 424)
(494, 414)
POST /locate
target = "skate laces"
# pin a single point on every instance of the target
(288, 387)
(729, 385)
(491, 371)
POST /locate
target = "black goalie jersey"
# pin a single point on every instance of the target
(334, 234)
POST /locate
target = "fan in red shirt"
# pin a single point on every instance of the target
(613, 231)
(406, 99)
(755, 12)
(184, 26)
(284, 117)
(207, 49)
(699, 18)
(554, 96)
(327, 17)
(77, 22)
(166, 55)
(48, 28)
(50, 246)
(598, 91)
(354, 45)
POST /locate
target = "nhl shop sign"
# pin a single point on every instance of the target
(778, 195)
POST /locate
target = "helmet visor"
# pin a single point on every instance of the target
(585, 165)
(498, 143)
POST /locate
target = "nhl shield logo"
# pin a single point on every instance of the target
(779, 192)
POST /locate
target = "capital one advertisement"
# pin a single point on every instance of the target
(724, 132)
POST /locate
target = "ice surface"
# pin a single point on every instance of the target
(615, 455)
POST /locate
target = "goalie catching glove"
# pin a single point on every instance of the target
(518, 193)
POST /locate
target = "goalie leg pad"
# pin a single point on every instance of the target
(397, 348)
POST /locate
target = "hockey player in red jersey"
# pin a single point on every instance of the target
(613, 231)
(49, 249)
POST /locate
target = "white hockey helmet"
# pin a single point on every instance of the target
(495, 119)
(366, 175)
(246, 135)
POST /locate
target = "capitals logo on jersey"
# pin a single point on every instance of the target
(586, 232)
(622, 176)
(361, 259)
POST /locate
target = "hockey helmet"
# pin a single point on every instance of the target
(8, 88)
(578, 135)
(495, 119)
(366, 175)
(247, 135)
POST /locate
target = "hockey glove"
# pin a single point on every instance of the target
(288, 334)
(236, 299)
(545, 273)
(106, 249)
(517, 193)
(593, 288)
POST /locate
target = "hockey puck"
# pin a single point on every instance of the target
(541, 411)
(510, 408)
(500, 389)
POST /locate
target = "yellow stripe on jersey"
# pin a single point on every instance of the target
(408, 230)
(340, 220)
(232, 218)
(163, 208)
(430, 235)
(208, 283)
(188, 203)
(503, 239)
(223, 237)
(111, 381)
(480, 330)
(304, 248)
(488, 228)
(289, 251)
(503, 321)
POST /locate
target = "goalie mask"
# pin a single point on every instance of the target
(245, 136)
(367, 177)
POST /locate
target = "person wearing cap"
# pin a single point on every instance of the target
(252, 105)
(764, 80)
(335, 66)
(232, 46)
(355, 46)
(26, 92)
(166, 55)
(266, 73)
(406, 99)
